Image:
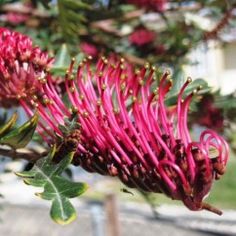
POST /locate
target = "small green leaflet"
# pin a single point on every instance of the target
(70, 124)
(62, 62)
(18, 137)
(58, 189)
(173, 94)
(8, 125)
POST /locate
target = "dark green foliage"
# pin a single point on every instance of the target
(71, 18)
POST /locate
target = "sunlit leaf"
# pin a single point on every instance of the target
(59, 190)
(8, 125)
(173, 94)
(62, 61)
(21, 136)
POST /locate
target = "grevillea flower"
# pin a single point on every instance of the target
(160, 49)
(21, 67)
(16, 18)
(156, 5)
(89, 49)
(208, 114)
(141, 37)
(126, 130)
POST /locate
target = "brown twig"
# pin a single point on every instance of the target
(21, 8)
(220, 26)
(107, 25)
(194, 7)
(134, 59)
(208, 207)
(30, 155)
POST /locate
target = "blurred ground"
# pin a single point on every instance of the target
(19, 220)
(24, 214)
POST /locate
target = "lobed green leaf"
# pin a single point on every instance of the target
(59, 190)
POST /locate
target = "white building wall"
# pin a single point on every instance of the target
(216, 64)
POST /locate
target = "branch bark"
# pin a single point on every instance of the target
(21, 8)
(30, 155)
(221, 25)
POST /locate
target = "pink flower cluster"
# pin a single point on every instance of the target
(21, 66)
(209, 116)
(158, 5)
(126, 130)
(16, 18)
(141, 37)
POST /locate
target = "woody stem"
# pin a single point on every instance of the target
(26, 154)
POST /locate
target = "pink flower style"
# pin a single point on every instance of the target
(21, 67)
(127, 131)
(158, 5)
(141, 37)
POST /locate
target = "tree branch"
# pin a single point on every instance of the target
(30, 155)
(108, 24)
(21, 8)
(221, 25)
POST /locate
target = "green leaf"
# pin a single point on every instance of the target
(9, 124)
(72, 17)
(70, 124)
(226, 102)
(4, 2)
(21, 136)
(58, 189)
(64, 187)
(45, 3)
(3, 118)
(62, 211)
(62, 62)
(75, 4)
(173, 94)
